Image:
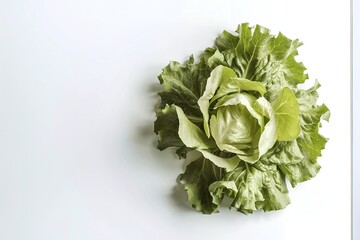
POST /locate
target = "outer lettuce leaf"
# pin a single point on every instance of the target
(284, 153)
(259, 56)
(283, 51)
(258, 188)
(249, 183)
(197, 178)
(275, 191)
(300, 172)
(252, 49)
(310, 141)
(221, 188)
(216, 59)
(166, 125)
(226, 41)
(183, 85)
(287, 115)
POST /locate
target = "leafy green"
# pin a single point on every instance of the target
(287, 115)
(183, 85)
(241, 109)
(197, 178)
(166, 125)
(221, 188)
(228, 164)
(218, 75)
(237, 85)
(257, 188)
(269, 135)
(190, 134)
(300, 172)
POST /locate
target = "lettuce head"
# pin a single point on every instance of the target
(240, 107)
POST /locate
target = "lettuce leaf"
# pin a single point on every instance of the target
(287, 115)
(197, 178)
(217, 77)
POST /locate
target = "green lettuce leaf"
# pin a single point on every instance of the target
(221, 188)
(287, 115)
(218, 75)
(269, 135)
(284, 153)
(226, 41)
(310, 141)
(228, 163)
(216, 59)
(190, 134)
(183, 85)
(300, 172)
(166, 126)
(259, 56)
(197, 178)
(237, 85)
(258, 188)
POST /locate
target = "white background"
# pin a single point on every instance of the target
(78, 83)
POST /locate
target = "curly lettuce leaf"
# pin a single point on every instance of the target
(284, 153)
(197, 178)
(300, 172)
(258, 188)
(257, 55)
(287, 115)
(221, 188)
(183, 85)
(166, 126)
(310, 141)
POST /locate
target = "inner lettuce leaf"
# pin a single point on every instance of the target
(217, 77)
(240, 108)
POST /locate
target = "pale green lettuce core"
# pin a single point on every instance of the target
(234, 129)
(240, 108)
